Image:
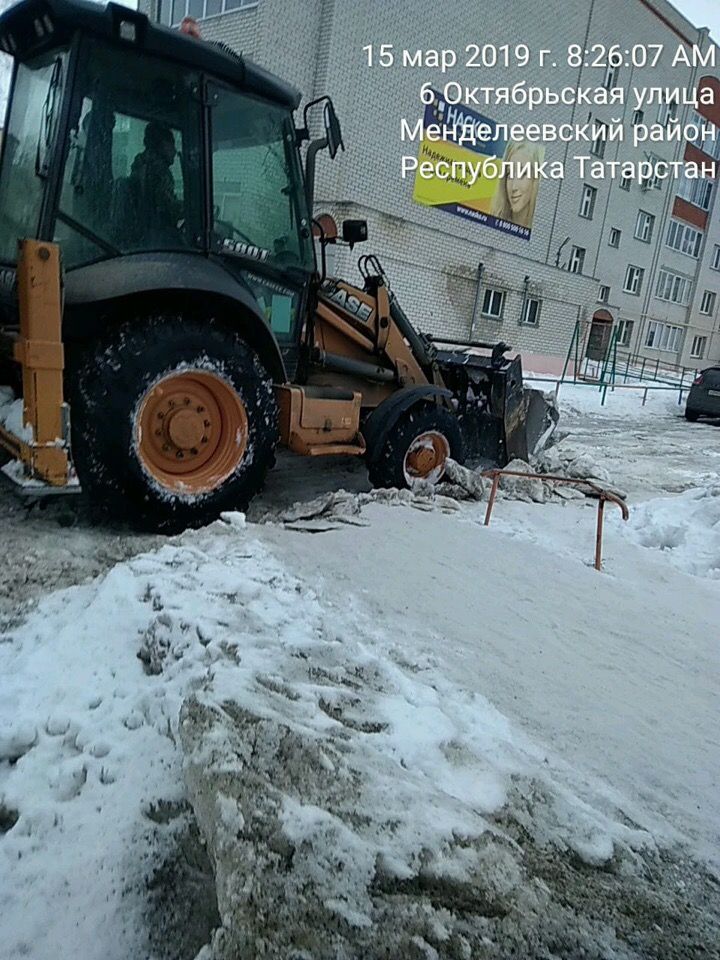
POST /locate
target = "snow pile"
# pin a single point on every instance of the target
(331, 767)
(686, 528)
(349, 794)
(11, 415)
(93, 684)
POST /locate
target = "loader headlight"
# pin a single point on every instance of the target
(127, 31)
(8, 43)
(43, 26)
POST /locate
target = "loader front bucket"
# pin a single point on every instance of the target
(541, 418)
(501, 419)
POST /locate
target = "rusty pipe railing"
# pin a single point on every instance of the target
(602, 495)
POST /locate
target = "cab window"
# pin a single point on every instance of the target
(132, 177)
(30, 140)
(258, 200)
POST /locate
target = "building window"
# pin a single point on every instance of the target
(604, 294)
(577, 260)
(668, 112)
(644, 226)
(707, 305)
(587, 204)
(531, 311)
(597, 147)
(625, 183)
(624, 332)
(634, 280)
(715, 265)
(638, 117)
(611, 77)
(663, 336)
(171, 12)
(699, 346)
(673, 287)
(651, 183)
(684, 238)
(707, 138)
(697, 191)
(615, 235)
(493, 303)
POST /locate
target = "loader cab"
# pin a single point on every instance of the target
(124, 139)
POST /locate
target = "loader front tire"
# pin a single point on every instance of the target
(174, 420)
(416, 447)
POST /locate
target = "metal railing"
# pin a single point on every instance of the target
(604, 496)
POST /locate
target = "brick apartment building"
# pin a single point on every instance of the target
(643, 259)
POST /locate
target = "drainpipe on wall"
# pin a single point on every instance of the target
(480, 269)
(523, 308)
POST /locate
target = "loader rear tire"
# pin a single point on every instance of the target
(416, 448)
(174, 420)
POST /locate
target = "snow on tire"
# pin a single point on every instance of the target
(417, 447)
(174, 420)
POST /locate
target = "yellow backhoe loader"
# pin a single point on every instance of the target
(166, 317)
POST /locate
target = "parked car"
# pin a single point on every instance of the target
(704, 397)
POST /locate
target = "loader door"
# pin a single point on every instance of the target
(132, 180)
(261, 227)
(31, 139)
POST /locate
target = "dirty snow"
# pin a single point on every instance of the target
(101, 671)
(439, 714)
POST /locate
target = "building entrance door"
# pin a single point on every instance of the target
(599, 337)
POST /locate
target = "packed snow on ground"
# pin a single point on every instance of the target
(648, 450)
(629, 401)
(376, 716)
(401, 732)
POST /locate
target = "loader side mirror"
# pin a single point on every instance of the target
(332, 129)
(354, 231)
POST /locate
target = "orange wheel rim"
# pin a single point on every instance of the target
(191, 431)
(426, 457)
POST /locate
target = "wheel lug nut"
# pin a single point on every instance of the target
(161, 416)
(166, 446)
(206, 423)
(194, 451)
(187, 400)
(200, 409)
(204, 440)
(179, 454)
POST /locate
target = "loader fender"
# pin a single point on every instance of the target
(384, 417)
(148, 275)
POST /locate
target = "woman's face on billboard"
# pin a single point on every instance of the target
(519, 191)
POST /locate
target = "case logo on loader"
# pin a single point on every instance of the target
(347, 301)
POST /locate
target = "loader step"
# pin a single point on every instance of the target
(32, 488)
(320, 421)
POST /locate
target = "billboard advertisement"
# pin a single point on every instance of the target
(495, 199)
